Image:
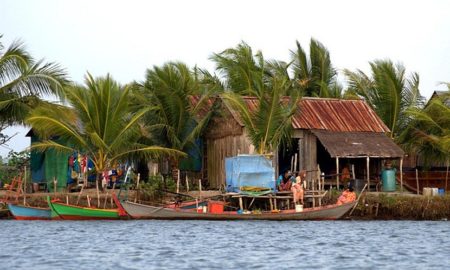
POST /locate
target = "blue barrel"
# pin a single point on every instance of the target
(388, 178)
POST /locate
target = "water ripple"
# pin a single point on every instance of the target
(224, 245)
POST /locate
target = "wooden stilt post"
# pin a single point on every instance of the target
(295, 162)
(25, 186)
(417, 181)
(401, 174)
(337, 173)
(446, 177)
(137, 187)
(178, 181)
(187, 183)
(353, 171)
(200, 189)
(368, 173)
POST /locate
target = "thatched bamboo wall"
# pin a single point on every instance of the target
(218, 150)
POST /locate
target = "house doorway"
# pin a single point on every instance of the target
(286, 156)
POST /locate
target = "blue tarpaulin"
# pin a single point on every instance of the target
(249, 170)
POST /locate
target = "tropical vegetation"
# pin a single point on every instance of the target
(24, 81)
(389, 91)
(166, 113)
(99, 121)
(172, 98)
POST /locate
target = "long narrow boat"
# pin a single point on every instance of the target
(21, 212)
(72, 212)
(329, 212)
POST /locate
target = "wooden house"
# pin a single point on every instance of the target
(330, 133)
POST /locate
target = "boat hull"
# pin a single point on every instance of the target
(20, 212)
(71, 212)
(330, 212)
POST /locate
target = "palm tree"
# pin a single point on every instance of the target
(270, 123)
(23, 81)
(314, 75)
(99, 121)
(173, 118)
(388, 91)
(243, 72)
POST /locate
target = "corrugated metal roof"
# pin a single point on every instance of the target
(337, 115)
(358, 144)
(332, 114)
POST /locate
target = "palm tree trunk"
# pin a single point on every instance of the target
(98, 193)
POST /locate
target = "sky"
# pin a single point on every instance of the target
(124, 38)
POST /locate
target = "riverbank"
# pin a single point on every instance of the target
(401, 206)
(371, 206)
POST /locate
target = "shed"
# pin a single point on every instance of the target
(326, 131)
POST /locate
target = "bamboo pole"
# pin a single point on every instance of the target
(417, 181)
(446, 176)
(25, 186)
(357, 200)
(353, 171)
(401, 175)
(295, 162)
(337, 173)
(88, 200)
(200, 188)
(187, 183)
(137, 187)
(67, 199)
(98, 193)
(368, 172)
(178, 181)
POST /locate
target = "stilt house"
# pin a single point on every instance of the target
(331, 133)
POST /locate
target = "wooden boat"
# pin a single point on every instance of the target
(72, 212)
(329, 212)
(21, 212)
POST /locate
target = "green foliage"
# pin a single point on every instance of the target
(404, 207)
(270, 123)
(172, 118)
(153, 188)
(428, 134)
(315, 76)
(16, 162)
(388, 91)
(100, 122)
(23, 80)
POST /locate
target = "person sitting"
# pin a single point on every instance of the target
(298, 188)
(284, 182)
(347, 196)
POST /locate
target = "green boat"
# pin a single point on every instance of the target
(72, 212)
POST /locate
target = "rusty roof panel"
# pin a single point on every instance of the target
(337, 115)
(358, 144)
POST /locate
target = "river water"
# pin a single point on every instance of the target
(224, 245)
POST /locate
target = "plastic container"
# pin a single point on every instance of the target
(200, 209)
(441, 192)
(205, 209)
(388, 178)
(299, 208)
(434, 191)
(427, 191)
(215, 207)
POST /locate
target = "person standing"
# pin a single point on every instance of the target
(298, 187)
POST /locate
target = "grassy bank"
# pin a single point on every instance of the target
(392, 206)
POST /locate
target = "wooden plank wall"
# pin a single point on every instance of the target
(309, 159)
(220, 148)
